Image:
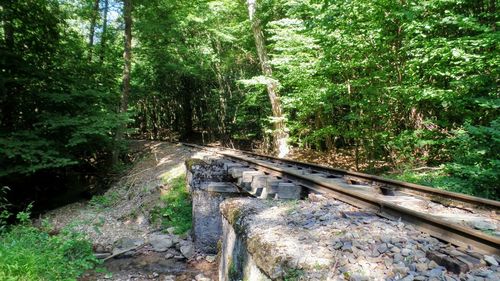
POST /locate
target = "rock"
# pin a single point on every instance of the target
(375, 253)
(187, 250)
(421, 267)
(161, 243)
(382, 248)
(397, 258)
(400, 269)
(484, 273)
(413, 267)
(210, 258)
(385, 238)
(357, 277)
(347, 247)
(395, 250)
(436, 272)
(433, 264)
(176, 239)
(490, 260)
(408, 278)
(169, 278)
(201, 277)
(405, 252)
(99, 248)
(171, 230)
(484, 225)
(126, 243)
(337, 245)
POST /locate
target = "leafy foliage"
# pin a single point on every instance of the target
(57, 108)
(411, 83)
(27, 253)
(177, 207)
(404, 82)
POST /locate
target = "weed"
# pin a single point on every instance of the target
(177, 210)
(24, 216)
(233, 271)
(293, 206)
(293, 274)
(104, 201)
(27, 253)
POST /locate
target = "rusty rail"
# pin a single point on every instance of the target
(475, 201)
(449, 232)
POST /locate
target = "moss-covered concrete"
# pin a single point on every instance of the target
(194, 162)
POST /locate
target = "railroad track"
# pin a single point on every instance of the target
(388, 198)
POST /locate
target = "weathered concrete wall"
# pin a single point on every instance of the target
(200, 171)
(207, 223)
(235, 262)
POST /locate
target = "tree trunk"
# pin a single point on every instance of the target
(187, 108)
(127, 57)
(104, 30)
(280, 133)
(8, 29)
(8, 113)
(93, 20)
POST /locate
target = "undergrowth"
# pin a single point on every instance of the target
(104, 201)
(27, 253)
(30, 254)
(441, 179)
(176, 211)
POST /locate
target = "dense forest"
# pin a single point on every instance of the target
(406, 89)
(409, 83)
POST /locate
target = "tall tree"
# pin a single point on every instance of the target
(280, 131)
(127, 67)
(93, 22)
(104, 30)
(127, 54)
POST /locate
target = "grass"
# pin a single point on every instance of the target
(177, 207)
(438, 179)
(104, 201)
(27, 253)
(293, 274)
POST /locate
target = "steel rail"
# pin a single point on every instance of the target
(449, 232)
(476, 201)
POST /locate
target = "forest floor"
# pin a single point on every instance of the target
(120, 219)
(341, 159)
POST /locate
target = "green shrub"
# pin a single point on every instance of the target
(104, 201)
(27, 253)
(177, 210)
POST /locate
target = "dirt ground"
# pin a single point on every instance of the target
(123, 213)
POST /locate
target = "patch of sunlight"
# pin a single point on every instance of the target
(283, 147)
(164, 160)
(173, 173)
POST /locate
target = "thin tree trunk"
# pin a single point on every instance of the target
(8, 113)
(8, 29)
(187, 107)
(127, 57)
(104, 30)
(93, 21)
(280, 133)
